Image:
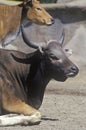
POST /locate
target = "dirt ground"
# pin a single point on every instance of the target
(64, 104)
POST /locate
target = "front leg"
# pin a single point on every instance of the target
(13, 104)
(16, 119)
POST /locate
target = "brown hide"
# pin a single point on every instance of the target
(10, 17)
(7, 21)
(39, 15)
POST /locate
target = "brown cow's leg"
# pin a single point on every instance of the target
(12, 104)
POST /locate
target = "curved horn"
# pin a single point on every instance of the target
(11, 2)
(26, 39)
(61, 41)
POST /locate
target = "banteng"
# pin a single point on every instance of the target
(14, 12)
(24, 77)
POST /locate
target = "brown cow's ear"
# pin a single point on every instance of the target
(11, 2)
(30, 4)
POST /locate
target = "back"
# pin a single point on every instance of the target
(9, 19)
(9, 62)
(14, 72)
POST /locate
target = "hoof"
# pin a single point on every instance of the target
(34, 119)
(16, 119)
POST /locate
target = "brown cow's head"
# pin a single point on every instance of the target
(38, 14)
(58, 65)
(35, 12)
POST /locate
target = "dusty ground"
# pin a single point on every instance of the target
(64, 104)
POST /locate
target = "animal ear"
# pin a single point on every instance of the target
(68, 52)
(61, 41)
(30, 4)
(11, 2)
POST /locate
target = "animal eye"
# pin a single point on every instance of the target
(54, 57)
(38, 8)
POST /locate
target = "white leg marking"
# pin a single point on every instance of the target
(14, 119)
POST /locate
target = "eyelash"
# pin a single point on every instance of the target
(54, 57)
(38, 8)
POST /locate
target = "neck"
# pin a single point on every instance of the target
(37, 84)
(24, 14)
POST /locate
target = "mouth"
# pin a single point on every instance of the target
(71, 74)
(50, 22)
(44, 22)
(73, 71)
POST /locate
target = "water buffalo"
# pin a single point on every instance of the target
(12, 16)
(24, 77)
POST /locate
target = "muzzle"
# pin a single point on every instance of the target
(73, 71)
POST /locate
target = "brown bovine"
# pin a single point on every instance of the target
(12, 16)
(24, 77)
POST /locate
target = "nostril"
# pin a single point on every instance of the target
(52, 20)
(74, 69)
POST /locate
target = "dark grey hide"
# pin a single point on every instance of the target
(27, 75)
(53, 63)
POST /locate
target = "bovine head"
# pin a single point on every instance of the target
(59, 65)
(35, 12)
(38, 14)
(57, 62)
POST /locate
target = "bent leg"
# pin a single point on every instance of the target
(15, 119)
(13, 104)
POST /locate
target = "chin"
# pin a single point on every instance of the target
(61, 79)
